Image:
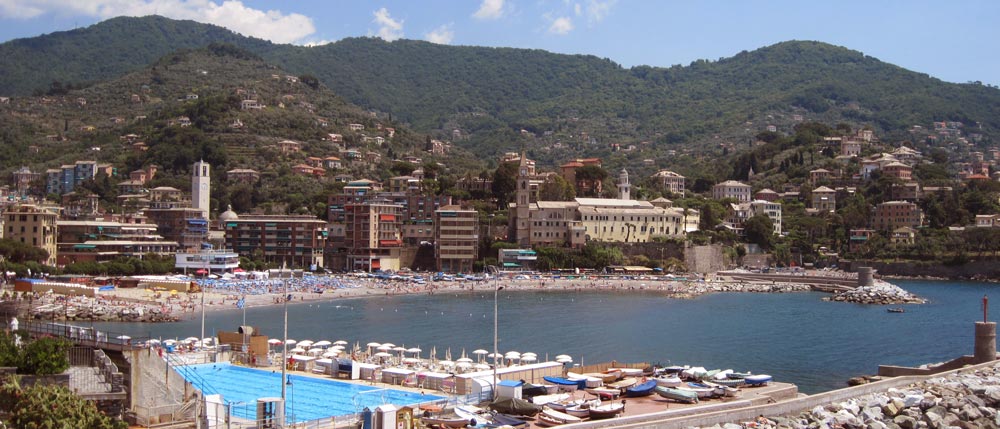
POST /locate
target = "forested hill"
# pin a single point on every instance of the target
(584, 103)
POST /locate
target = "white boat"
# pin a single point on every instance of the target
(758, 380)
(701, 390)
(590, 381)
(606, 411)
(560, 417)
(545, 399)
(694, 373)
(668, 381)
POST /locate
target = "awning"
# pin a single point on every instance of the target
(84, 246)
(376, 264)
(510, 264)
(387, 217)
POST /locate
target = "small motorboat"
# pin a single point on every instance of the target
(678, 395)
(641, 389)
(896, 310)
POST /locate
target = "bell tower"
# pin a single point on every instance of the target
(523, 199)
(201, 187)
(624, 188)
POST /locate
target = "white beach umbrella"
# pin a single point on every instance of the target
(464, 360)
(389, 344)
(341, 348)
(528, 358)
(190, 339)
(274, 341)
(331, 353)
(384, 348)
(447, 363)
(479, 352)
(564, 359)
(314, 351)
(340, 343)
(481, 366)
(297, 350)
(153, 342)
(464, 365)
(414, 350)
(512, 355)
(323, 343)
(304, 343)
(399, 349)
(290, 342)
(383, 354)
(123, 337)
(208, 340)
(374, 344)
(411, 360)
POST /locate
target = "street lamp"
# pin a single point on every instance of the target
(284, 348)
(496, 295)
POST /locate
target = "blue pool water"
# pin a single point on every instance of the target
(309, 398)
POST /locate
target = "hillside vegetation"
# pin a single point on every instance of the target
(558, 106)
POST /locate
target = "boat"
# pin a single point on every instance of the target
(641, 389)
(515, 407)
(558, 416)
(757, 380)
(588, 381)
(545, 399)
(501, 419)
(623, 383)
(693, 373)
(565, 382)
(606, 377)
(896, 310)
(606, 411)
(679, 395)
(668, 381)
(563, 405)
(582, 410)
(604, 393)
(702, 390)
(528, 390)
(731, 382)
(674, 369)
(630, 372)
(471, 413)
(445, 422)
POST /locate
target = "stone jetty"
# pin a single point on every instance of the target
(881, 293)
(101, 311)
(965, 399)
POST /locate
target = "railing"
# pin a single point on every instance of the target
(189, 374)
(84, 335)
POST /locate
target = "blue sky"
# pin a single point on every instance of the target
(954, 41)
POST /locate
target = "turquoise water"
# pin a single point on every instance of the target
(795, 337)
(309, 398)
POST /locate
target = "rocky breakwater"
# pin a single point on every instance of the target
(966, 400)
(113, 311)
(881, 293)
(750, 287)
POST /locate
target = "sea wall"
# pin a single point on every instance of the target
(982, 269)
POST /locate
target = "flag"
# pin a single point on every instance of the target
(240, 303)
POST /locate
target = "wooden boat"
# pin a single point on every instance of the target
(606, 411)
(579, 410)
(668, 381)
(500, 419)
(641, 389)
(896, 310)
(588, 381)
(604, 393)
(445, 422)
(630, 372)
(678, 395)
(563, 405)
(609, 377)
(758, 380)
(624, 383)
(549, 415)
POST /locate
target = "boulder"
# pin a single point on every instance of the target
(905, 422)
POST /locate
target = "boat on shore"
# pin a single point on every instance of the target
(550, 417)
(757, 380)
(606, 411)
(702, 390)
(679, 395)
(624, 383)
(445, 422)
(668, 381)
(641, 389)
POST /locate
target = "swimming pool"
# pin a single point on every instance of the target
(308, 398)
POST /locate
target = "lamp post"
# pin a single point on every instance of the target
(496, 295)
(284, 348)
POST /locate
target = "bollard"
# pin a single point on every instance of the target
(986, 342)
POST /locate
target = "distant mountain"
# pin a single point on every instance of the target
(559, 106)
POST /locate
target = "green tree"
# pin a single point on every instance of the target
(50, 406)
(45, 356)
(556, 188)
(504, 183)
(759, 229)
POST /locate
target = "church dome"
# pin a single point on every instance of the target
(229, 214)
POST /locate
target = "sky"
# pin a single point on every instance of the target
(955, 41)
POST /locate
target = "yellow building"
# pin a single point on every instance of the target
(34, 226)
(629, 221)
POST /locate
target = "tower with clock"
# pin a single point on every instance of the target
(201, 187)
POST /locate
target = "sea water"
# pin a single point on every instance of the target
(796, 337)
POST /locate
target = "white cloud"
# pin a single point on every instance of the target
(389, 29)
(490, 9)
(271, 25)
(577, 9)
(597, 10)
(561, 26)
(442, 35)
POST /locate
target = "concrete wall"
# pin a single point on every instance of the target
(705, 259)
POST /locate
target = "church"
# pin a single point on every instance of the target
(574, 223)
